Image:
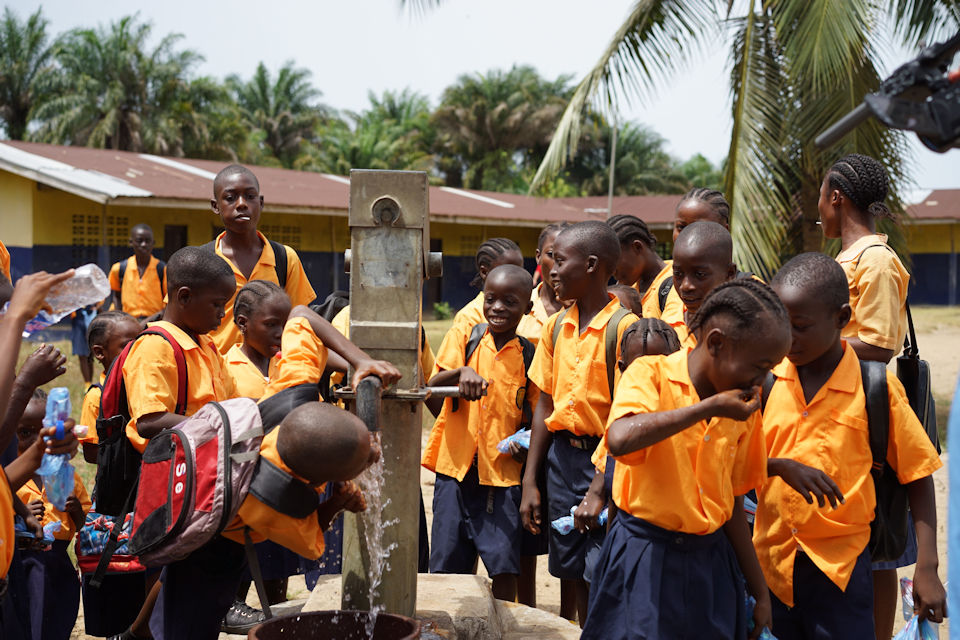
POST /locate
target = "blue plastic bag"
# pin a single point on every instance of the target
(565, 524)
(918, 629)
(764, 633)
(522, 438)
(56, 470)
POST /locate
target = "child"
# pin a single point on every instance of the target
(702, 260)
(490, 255)
(640, 265)
(5, 263)
(647, 337)
(573, 377)
(545, 302)
(237, 200)
(79, 322)
(52, 584)
(139, 283)
(814, 555)
(851, 199)
(699, 204)
(107, 335)
(629, 298)
(687, 439)
(476, 500)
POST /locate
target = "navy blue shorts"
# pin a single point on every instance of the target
(53, 591)
(197, 592)
(470, 519)
(820, 609)
(909, 555)
(654, 583)
(111, 608)
(569, 474)
(14, 607)
(78, 331)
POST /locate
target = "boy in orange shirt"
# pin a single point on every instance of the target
(476, 501)
(139, 283)
(251, 256)
(575, 398)
(815, 555)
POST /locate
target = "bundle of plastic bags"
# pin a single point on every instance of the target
(916, 628)
(522, 438)
(565, 524)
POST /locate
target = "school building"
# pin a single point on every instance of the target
(65, 206)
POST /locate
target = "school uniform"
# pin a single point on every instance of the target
(297, 287)
(472, 314)
(341, 322)
(476, 501)
(150, 376)
(650, 299)
(90, 410)
(531, 326)
(815, 559)
(141, 296)
(5, 262)
(574, 373)
(14, 606)
(53, 586)
(674, 314)
(878, 292)
(667, 569)
(7, 537)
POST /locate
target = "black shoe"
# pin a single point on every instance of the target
(241, 618)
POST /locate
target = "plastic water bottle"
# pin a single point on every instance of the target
(56, 470)
(89, 285)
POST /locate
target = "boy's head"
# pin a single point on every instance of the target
(698, 204)
(237, 199)
(493, 253)
(629, 298)
(637, 247)
(109, 332)
(260, 311)
(702, 260)
(141, 240)
(200, 283)
(744, 330)
(506, 298)
(647, 337)
(585, 256)
(815, 291)
(322, 443)
(31, 422)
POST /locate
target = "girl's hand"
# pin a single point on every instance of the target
(380, 368)
(586, 515)
(30, 293)
(471, 384)
(736, 404)
(807, 481)
(762, 615)
(42, 366)
(36, 510)
(929, 597)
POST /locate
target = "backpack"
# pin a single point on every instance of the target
(476, 335)
(667, 284)
(279, 257)
(161, 270)
(609, 340)
(332, 305)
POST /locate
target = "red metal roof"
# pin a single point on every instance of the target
(939, 204)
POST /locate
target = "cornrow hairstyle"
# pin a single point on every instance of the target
(487, 254)
(744, 300)
(630, 228)
(101, 325)
(252, 295)
(864, 180)
(711, 197)
(817, 274)
(553, 228)
(646, 326)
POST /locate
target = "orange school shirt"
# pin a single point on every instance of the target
(141, 296)
(574, 371)
(878, 292)
(301, 535)
(650, 299)
(831, 434)
(341, 322)
(5, 261)
(250, 382)
(8, 540)
(476, 427)
(688, 481)
(150, 376)
(90, 409)
(303, 358)
(30, 491)
(297, 287)
(472, 314)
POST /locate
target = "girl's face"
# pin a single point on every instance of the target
(690, 211)
(545, 258)
(829, 210)
(510, 257)
(631, 264)
(734, 364)
(263, 330)
(118, 336)
(31, 422)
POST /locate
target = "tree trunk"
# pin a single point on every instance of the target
(810, 237)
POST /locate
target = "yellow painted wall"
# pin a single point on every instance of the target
(933, 238)
(463, 239)
(16, 210)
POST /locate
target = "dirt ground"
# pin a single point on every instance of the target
(939, 341)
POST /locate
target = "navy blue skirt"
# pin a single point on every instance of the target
(655, 583)
(53, 591)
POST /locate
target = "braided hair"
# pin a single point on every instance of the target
(864, 180)
(712, 198)
(487, 254)
(644, 327)
(550, 229)
(102, 323)
(630, 228)
(745, 300)
(252, 295)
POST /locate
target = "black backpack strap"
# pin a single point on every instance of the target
(874, 375)
(275, 408)
(280, 491)
(280, 260)
(476, 335)
(910, 348)
(161, 272)
(766, 388)
(121, 271)
(557, 324)
(256, 574)
(610, 341)
(526, 413)
(107, 555)
(664, 291)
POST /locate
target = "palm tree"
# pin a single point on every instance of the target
(283, 111)
(796, 66)
(25, 69)
(114, 93)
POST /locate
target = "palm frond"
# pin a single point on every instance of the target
(916, 21)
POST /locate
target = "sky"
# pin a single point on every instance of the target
(357, 46)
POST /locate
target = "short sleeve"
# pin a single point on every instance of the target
(750, 465)
(303, 358)
(150, 376)
(909, 450)
(298, 285)
(878, 308)
(541, 369)
(452, 350)
(341, 322)
(427, 359)
(80, 491)
(625, 323)
(89, 411)
(638, 392)
(115, 277)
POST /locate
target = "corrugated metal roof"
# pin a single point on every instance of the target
(939, 204)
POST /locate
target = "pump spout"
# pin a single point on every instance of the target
(369, 391)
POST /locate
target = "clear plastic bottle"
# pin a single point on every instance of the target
(56, 470)
(89, 285)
